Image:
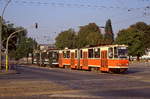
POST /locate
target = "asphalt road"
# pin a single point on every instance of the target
(54, 83)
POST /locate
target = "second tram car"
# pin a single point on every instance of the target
(109, 58)
(46, 58)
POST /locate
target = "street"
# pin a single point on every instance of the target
(33, 82)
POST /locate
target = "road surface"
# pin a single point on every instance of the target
(54, 83)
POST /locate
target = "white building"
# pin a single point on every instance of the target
(147, 55)
(46, 46)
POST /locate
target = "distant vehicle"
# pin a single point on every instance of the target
(109, 58)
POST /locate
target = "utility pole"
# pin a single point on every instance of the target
(0, 42)
(40, 58)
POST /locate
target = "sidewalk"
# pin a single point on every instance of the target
(11, 70)
(8, 72)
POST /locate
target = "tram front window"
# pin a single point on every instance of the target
(122, 52)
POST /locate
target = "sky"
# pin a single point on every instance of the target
(54, 16)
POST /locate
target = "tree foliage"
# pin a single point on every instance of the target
(8, 29)
(17, 46)
(24, 47)
(89, 35)
(108, 36)
(136, 37)
(66, 39)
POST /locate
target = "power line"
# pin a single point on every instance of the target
(127, 20)
(82, 5)
(61, 4)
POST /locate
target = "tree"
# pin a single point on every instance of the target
(143, 27)
(108, 36)
(89, 35)
(66, 39)
(19, 44)
(24, 47)
(147, 38)
(135, 38)
(9, 28)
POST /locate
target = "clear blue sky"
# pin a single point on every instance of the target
(54, 16)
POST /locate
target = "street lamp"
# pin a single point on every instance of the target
(1, 23)
(10, 36)
(6, 51)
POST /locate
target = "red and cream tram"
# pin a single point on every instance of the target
(109, 58)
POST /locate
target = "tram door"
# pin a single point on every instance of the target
(104, 61)
(60, 59)
(72, 60)
(85, 59)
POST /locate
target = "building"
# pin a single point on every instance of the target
(46, 46)
(147, 55)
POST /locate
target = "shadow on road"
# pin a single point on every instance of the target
(132, 71)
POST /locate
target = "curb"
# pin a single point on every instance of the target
(3, 72)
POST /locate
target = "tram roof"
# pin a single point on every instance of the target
(98, 46)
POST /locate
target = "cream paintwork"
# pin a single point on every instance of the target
(103, 48)
(60, 51)
(85, 50)
(93, 66)
(117, 67)
(73, 50)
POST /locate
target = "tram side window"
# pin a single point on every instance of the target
(97, 53)
(44, 55)
(50, 54)
(81, 54)
(68, 54)
(115, 52)
(65, 54)
(75, 53)
(110, 52)
(90, 53)
(54, 55)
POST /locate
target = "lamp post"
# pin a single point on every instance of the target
(1, 23)
(0, 43)
(10, 36)
(6, 51)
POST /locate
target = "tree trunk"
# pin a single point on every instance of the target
(138, 58)
(32, 58)
(129, 58)
(27, 59)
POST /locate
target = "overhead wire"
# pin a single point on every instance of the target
(77, 5)
(62, 4)
(145, 9)
(127, 20)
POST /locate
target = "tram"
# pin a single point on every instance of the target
(108, 58)
(46, 57)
